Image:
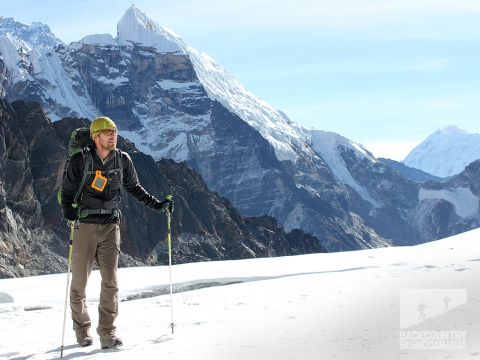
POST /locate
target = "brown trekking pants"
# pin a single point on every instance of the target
(99, 243)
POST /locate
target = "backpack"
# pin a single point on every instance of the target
(79, 142)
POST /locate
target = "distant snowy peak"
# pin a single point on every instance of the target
(450, 130)
(446, 152)
(17, 42)
(32, 56)
(136, 27)
(34, 35)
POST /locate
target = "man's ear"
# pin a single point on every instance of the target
(94, 138)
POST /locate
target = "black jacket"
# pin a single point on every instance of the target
(109, 198)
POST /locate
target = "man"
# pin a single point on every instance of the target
(96, 220)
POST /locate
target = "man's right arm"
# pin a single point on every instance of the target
(70, 183)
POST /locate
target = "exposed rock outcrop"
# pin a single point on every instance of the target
(34, 236)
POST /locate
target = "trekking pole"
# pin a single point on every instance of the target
(68, 284)
(169, 236)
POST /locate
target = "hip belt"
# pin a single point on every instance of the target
(83, 213)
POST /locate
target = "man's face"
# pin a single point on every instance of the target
(107, 139)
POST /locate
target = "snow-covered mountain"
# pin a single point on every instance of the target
(34, 69)
(175, 102)
(446, 152)
(283, 134)
(33, 35)
(62, 90)
(349, 306)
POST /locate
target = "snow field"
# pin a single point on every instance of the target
(322, 306)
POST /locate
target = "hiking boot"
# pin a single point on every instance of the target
(83, 337)
(110, 340)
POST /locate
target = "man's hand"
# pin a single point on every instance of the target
(70, 214)
(165, 205)
(169, 203)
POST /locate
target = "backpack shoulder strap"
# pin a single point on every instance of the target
(88, 161)
(120, 164)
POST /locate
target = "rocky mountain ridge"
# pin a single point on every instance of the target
(34, 236)
(160, 102)
(413, 174)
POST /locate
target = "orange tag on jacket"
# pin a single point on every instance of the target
(99, 182)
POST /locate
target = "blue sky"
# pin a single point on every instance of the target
(383, 73)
